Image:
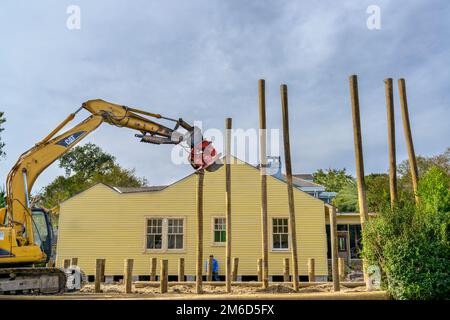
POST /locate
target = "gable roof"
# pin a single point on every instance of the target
(302, 182)
(304, 176)
(138, 189)
(235, 160)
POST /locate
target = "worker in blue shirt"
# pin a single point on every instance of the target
(215, 268)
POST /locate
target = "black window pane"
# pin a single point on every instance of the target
(284, 241)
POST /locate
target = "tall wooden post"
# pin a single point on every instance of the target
(128, 275)
(153, 269)
(286, 272)
(209, 269)
(199, 270)
(263, 167)
(311, 270)
(228, 124)
(391, 140)
(408, 137)
(163, 277)
(235, 268)
(287, 156)
(334, 248)
(363, 212)
(259, 269)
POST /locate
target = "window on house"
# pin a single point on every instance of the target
(175, 234)
(154, 233)
(280, 233)
(220, 233)
(165, 234)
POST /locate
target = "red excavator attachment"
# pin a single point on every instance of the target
(204, 157)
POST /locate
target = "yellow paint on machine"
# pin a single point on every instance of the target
(104, 223)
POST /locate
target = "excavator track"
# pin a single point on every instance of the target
(32, 280)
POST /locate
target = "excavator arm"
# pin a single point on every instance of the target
(33, 162)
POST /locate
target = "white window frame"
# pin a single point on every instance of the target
(272, 234)
(213, 225)
(146, 233)
(165, 235)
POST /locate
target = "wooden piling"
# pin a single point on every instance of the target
(311, 270)
(181, 269)
(263, 167)
(66, 263)
(235, 268)
(363, 212)
(341, 263)
(99, 267)
(209, 269)
(74, 261)
(391, 140)
(286, 272)
(287, 156)
(199, 270)
(163, 277)
(408, 136)
(153, 269)
(128, 275)
(259, 269)
(334, 248)
(228, 125)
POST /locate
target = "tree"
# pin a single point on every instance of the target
(332, 179)
(84, 167)
(86, 161)
(347, 198)
(377, 190)
(423, 165)
(2, 144)
(377, 194)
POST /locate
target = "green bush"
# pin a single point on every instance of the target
(411, 243)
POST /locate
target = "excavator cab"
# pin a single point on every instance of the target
(43, 231)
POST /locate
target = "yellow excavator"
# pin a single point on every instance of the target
(26, 234)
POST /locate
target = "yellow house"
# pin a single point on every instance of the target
(118, 223)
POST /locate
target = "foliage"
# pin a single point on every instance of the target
(377, 194)
(377, 191)
(87, 161)
(86, 166)
(332, 179)
(411, 243)
(441, 161)
(434, 191)
(2, 198)
(347, 198)
(2, 144)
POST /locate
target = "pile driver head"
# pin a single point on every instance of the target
(203, 156)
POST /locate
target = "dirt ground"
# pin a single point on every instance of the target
(218, 290)
(187, 292)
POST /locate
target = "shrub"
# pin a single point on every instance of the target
(411, 243)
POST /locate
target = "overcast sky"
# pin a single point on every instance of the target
(201, 60)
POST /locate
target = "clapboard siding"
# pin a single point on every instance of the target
(103, 223)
